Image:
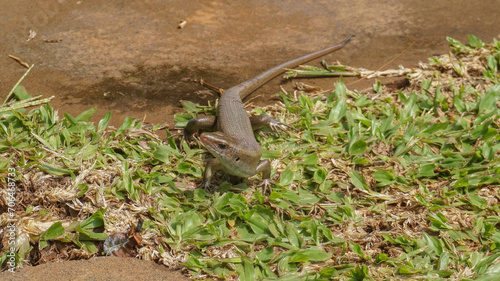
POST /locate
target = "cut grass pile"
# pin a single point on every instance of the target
(374, 185)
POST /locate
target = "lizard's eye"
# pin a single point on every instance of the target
(237, 159)
(222, 146)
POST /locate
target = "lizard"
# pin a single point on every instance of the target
(232, 141)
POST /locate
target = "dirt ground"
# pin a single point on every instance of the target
(100, 268)
(129, 57)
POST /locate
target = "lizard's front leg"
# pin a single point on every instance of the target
(212, 165)
(265, 167)
(259, 121)
(199, 123)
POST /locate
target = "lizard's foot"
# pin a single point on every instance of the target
(259, 121)
(277, 126)
(266, 187)
(207, 187)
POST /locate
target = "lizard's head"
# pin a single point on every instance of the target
(235, 156)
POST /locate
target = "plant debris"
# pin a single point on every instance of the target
(21, 62)
(124, 244)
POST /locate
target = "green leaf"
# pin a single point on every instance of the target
(265, 254)
(438, 222)
(21, 93)
(426, 171)
(475, 42)
(383, 177)
(494, 270)
(190, 107)
(358, 180)
(248, 273)
(89, 152)
(358, 148)
(356, 248)
(455, 44)
(434, 128)
(481, 130)
(381, 258)
(406, 270)
(88, 235)
(433, 243)
(310, 159)
(459, 104)
(127, 124)
(287, 177)
(53, 170)
(86, 115)
(377, 87)
(320, 175)
(478, 202)
(54, 231)
(164, 152)
(339, 108)
(89, 247)
(490, 99)
(94, 221)
(103, 123)
(83, 188)
(257, 222)
(271, 154)
(293, 235)
(312, 254)
(445, 273)
(361, 272)
(444, 260)
(492, 63)
(484, 263)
